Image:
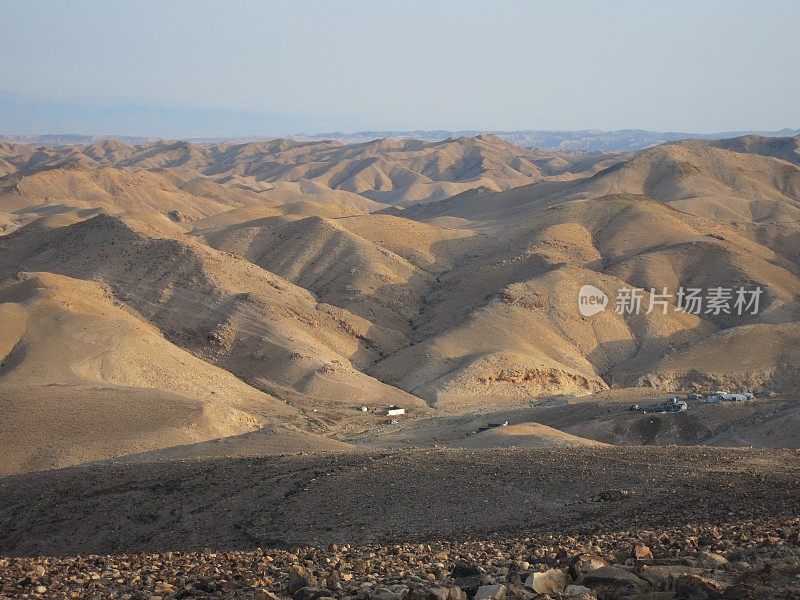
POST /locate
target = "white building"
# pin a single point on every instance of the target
(394, 411)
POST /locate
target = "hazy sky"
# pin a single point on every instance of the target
(681, 65)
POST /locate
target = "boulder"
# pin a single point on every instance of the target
(469, 585)
(445, 593)
(464, 570)
(712, 560)
(310, 593)
(641, 552)
(439, 593)
(547, 582)
(587, 563)
(456, 593)
(382, 593)
(696, 587)
(657, 575)
(614, 581)
(491, 592)
(300, 577)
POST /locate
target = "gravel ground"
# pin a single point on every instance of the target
(404, 519)
(750, 559)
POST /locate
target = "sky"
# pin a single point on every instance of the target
(216, 68)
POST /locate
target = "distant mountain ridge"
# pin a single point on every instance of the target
(579, 140)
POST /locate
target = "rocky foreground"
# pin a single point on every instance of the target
(742, 561)
(691, 523)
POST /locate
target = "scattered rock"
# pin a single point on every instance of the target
(586, 563)
(640, 551)
(711, 560)
(310, 593)
(547, 582)
(461, 570)
(695, 587)
(443, 593)
(491, 592)
(683, 569)
(657, 575)
(610, 496)
(614, 581)
(300, 577)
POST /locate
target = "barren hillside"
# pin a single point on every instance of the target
(278, 267)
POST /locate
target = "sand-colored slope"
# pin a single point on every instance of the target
(115, 191)
(81, 378)
(505, 326)
(9, 222)
(289, 192)
(634, 238)
(695, 178)
(267, 441)
(526, 435)
(338, 266)
(709, 182)
(434, 249)
(649, 245)
(785, 148)
(752, 357)
(530, 340)
(274, 335)
(240, 217)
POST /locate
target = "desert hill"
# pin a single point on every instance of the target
(694, 177)
(384, 171)
(525, 435)
(115, 190)
(83, 378)
(280, 266)
(507, 319)
(785, 148)
(225, 309)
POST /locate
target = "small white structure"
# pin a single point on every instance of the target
(364, 408)
(395, 410)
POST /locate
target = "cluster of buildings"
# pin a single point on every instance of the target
(391, 411)
(676, 405)
(715, 397)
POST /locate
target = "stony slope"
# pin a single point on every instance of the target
(389, 496)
